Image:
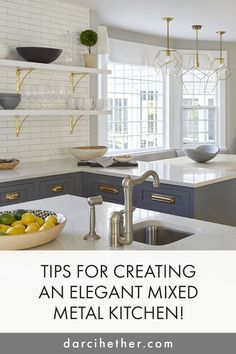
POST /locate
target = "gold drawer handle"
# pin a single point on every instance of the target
(163, 198)
(58, 188)
(13, 196)
(108, 189)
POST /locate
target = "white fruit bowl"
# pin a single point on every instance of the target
(34, 239)
(85, 153)
(124, 158)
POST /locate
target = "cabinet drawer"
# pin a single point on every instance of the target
(16, 193)
(166, 199)
(110, 188)
(52, 187)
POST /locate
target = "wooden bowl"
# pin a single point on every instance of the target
(34, 239)
(85, 153)
(8, 164)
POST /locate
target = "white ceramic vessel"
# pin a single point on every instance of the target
(85, 103)
(202, 153)
(4, 51)
(85, 153)
(100, 104)
(124, 158)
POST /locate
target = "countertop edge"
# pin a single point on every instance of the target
(36, 171)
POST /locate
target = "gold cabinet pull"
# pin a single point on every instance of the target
(13, 196)
(108, 189)
(163, 198)
(58, 188)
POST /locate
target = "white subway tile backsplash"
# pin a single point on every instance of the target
(43, 23)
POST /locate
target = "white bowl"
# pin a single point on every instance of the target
(124, 158)
(85, 153)
(34, 239)
(4, 51)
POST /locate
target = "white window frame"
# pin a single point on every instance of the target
(175, 111)
(172, 113)
(102, 126)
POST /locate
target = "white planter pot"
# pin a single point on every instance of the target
(4, 51)
(90, 60)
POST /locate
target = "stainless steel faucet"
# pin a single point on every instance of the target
(92, 235)
(121, 229)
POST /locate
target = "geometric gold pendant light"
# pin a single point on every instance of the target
(197, 66)
(220, 67)
(167, 61)
(198, 71)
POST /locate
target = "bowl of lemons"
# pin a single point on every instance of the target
(22, 229)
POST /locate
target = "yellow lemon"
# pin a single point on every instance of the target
(17, 223)
(20, 227)
(51, 219)
(46, 226)
(14, 231)
(4, 228)
(35, 225)
(39, 220)
(31, 228)
(28, 218)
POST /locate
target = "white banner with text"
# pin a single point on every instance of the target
(118, 291)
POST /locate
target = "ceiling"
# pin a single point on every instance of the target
(145, 16)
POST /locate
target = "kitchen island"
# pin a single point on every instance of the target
(199, 191)
(205, 236)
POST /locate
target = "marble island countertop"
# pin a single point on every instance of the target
(206, 236)
(179, 171)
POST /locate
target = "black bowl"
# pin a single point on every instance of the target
(39, 54)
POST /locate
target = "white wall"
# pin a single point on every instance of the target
(41, 22)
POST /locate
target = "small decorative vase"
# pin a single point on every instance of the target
(90, 60)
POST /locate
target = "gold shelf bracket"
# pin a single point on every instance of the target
(19, 124)
(73, 122)
(75, 79)
(19, 79)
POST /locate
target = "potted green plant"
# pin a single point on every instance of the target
(89, 38)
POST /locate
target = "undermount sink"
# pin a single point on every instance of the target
(159, 235)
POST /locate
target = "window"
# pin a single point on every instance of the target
(150, 111)
(199, 113)
(135, 95)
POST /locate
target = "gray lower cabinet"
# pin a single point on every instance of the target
(167, 198)
(215, 202)
(109, 187)
(52, 186)
(16, 192)
(38, 188)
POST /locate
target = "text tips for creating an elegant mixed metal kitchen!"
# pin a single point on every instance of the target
(118, 292)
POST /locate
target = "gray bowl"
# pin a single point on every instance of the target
(9, 100)
(202, 153)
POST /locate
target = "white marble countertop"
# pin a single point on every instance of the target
(206, 236)
(179, 171)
